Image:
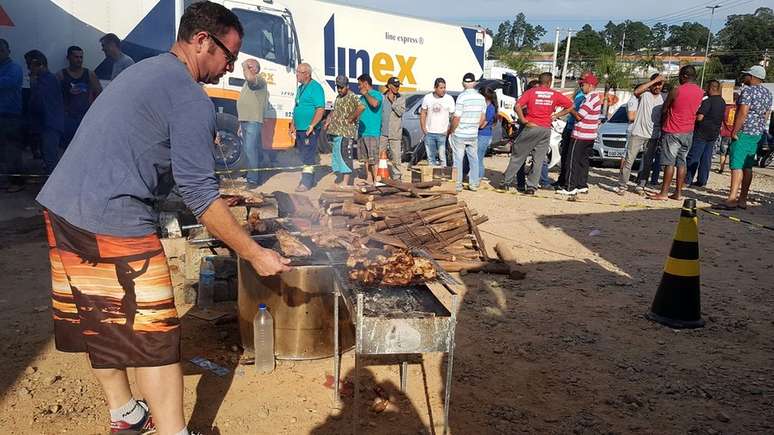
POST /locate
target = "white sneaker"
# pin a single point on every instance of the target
(583, 190)
(567, 192)
(619, 190)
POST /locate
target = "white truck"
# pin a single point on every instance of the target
(334, 38)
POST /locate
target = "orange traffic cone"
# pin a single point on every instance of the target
(678, 299)
(382, 171)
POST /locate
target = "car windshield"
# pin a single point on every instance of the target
(620, 116)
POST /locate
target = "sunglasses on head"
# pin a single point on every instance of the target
(230, 57)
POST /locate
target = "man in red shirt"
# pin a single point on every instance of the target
(540, 102)
(678, 121)
(725, 133)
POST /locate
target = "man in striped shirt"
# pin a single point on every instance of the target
(469, 116)
(575, 170)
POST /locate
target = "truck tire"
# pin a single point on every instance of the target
(405, 147)
(324, 142)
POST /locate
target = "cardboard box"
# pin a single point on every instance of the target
(430, 173)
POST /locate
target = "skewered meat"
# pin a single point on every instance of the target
(241, 196)
(291, 246)
(400, 268)
(336, 239)
(254, 224)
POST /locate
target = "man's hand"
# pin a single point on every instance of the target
(269, 262)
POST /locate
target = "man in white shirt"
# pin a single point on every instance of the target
(469, 116)
(437, 109)
(644, 131)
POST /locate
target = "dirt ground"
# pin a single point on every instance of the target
(565, 351)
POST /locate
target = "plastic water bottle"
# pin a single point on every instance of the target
(206, 294)
(263, 340)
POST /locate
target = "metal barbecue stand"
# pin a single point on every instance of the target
(400, 320)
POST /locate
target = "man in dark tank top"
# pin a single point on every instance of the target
(79, 89)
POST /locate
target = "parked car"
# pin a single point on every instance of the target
(610, 145)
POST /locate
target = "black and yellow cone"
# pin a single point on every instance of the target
(678, 300)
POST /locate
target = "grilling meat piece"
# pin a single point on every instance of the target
(240, 196)
(290, 246)
(336, 239)
(400, 268)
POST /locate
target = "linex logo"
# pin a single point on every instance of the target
(5, 20)
(353, 62)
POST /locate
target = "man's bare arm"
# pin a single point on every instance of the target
(422, 120)
(222, 224)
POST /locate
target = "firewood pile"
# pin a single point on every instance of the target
(405, 215)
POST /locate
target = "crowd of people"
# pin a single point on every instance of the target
(676, 132)
(56, 105)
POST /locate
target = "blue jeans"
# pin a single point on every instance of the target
(49, 148)
(307, 150)
(461, 147)
(435, 146)
(699, 159)
(483, 146)
(251, 138)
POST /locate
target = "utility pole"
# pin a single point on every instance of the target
(554, 68)
(566, 56)
(706, 50)
(623, 40)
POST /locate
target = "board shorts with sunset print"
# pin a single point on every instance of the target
(112, 297)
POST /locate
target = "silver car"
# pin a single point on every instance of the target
(610, 145)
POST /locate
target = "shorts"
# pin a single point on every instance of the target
(112, 297)
(674, 148)
(724, 143)
(742, 151)
(368, 149)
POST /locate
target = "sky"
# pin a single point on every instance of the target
(565, 13)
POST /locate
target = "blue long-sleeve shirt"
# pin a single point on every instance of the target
(152, 128)
(46, 102)
(10, 88)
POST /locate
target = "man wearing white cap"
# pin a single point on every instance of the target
(752, 111)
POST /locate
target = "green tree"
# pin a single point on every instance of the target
(745, 39)
(500, 39)
(612, 34)
(688, 36)
(587, 43)
(658, 35)
(616, 74)
(638, 35)
(519, 61)
(525, 35)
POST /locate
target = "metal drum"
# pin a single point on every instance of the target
(301, 303)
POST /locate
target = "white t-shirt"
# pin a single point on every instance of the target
(631, 106)
(438, 112)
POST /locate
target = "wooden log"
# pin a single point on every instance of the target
(405, 187)
(362, 198)
(351, 209)
(418, 206)
(474, 227)
(387, 240)
(337, 222)
(505, 254)
(427, 184)
(331, 197)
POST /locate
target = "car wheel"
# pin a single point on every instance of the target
(766, 159)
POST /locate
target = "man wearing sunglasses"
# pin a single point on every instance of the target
(152, 128)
